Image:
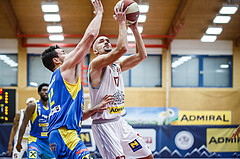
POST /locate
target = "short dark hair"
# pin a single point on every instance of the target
(41, 86)
(48, 55)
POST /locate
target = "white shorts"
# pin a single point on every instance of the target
(16, 154)
(118, 138)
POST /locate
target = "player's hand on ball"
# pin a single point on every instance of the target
(119, 14)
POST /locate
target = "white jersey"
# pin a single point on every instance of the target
(111, 84)
(28, 127)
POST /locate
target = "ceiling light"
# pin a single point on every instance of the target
(143, 8)
(142, 18)
(52, 18)
(54, 29)
(50, 7)
(222, 19)
(140, 30)
(229, 9)
(214, 30)
(56, 37)
(208, 38)
(130, 38)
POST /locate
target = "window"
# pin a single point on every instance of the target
(217, 72)
(185, 71)
(37, 73)
(145, 74)
(201, 71)
(8, 69)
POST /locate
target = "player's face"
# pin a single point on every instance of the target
(103, 45)
(43, 93)
(61, 54)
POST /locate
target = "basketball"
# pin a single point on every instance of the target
(132, 13)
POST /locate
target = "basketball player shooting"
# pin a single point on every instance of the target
(114, 137)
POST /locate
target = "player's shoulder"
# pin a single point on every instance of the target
(31, 106)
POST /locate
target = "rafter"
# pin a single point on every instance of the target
(10, 16)
(179, 18)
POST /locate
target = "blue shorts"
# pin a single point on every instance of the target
(39, 149)
(66, 144)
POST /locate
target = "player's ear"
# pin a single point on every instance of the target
(56, 60)
(95, 52)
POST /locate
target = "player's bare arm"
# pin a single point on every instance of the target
(100, 62)
(141, 52)
(69, 69)
(98, 108)
(27, 116)
(13, 132)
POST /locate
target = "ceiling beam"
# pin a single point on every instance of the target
(237, 42)
(11, 16)
(179, 18)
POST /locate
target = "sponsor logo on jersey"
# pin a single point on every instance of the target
(53, 146)
(115, 110)
(33, 148)
(87, 156)
(80, 151)
(55, 110)
(43, 124)
(43, 133)
(15, 155)
(118, 98)
(135, 145)
(33, 154)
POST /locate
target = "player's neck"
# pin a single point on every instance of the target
(45, 103)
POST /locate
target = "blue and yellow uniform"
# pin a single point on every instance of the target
(38, 144)
(65, 101)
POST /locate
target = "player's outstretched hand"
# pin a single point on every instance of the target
(97, 6)
(236, 133)
(103, 104)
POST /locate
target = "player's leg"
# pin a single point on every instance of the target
(107, 140)
(133, 144)
(66, 144)
(57, 145)
(45, 151)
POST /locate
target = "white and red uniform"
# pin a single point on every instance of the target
(16, 154)
(113, 135)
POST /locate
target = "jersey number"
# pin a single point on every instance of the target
(50, 97)
(116, 80)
